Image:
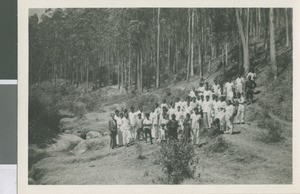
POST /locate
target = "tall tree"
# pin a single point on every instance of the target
(157, 50)
(244, 35)
(272, 44)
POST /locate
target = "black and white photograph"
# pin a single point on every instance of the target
(160, 96)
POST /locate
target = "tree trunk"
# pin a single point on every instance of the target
(192, 44)
(141, 71)
(129, 67)
(189, 48)
(157, 50)
(287, 28)
(226, 54)
(200, 61)
(244, 38)
(169, 53)
(272, 45)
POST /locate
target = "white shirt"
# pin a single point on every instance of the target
(192, 93)
(147, 122)
(239, 81)
(201, 89)
(193, 105)
(195, 120)
(228, 87)
(153, 117)
(119, 121)
(132, 117)
(216, 88)
(206, 106)
(125, 124)
(183, 105)
(178, 115)
(252, 75)
(230, 110)
(142, 114)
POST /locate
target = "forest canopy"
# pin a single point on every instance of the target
(146, 47)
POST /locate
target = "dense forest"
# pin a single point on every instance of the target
(146, 47)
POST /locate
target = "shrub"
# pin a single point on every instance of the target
(219, 145)
(43, 120)
(272, 131)
(177, 160)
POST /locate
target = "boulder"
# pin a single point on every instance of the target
(65, 142)
(93, 135)
(85, 145)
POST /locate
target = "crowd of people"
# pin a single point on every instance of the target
(208, 107)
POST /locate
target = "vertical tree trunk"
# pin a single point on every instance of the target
(200, 61)
(272, 45)
(169, 53)
(226, 54)
(129, 67)
(189, 48)
(119, 70)
(157, 50)
(244, 38)
(192, 44)
(287, 28)
(141, 71)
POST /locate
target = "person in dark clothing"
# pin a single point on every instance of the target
(172, 126)
(249, 89)
(187, 128)
(112, 126)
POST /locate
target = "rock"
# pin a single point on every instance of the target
(65, 142)
(91, 144)
(93, 135)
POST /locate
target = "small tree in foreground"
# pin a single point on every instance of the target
(177, 160)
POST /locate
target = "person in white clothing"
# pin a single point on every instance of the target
(193, 103)
(251, 74)
(141, 111)
(216, 88)
(184, 104)
(132, 119)
(154, 121)
(147, 124)
(179, 117)
(125, 128)
(221, 113)
(120, 129)
(229, 90)
(239, 84)
(241, 109)
(196, 126)
(207, 91)
(163, 122)
(206, 107)
(192, 93)
(229, 116)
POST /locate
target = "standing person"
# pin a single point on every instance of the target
(229, 116)
(153, 119)
(112, 126)
(120, 130)
(139, 126)
(163, 122)
(241, 109)
(132, 119)
(184, 103)
(207, 106)
(141, 111)
(229, 89)
(251, 74)
(249, 89)
(158, 111)
(147, 124)
(201, 89)
(179, 118)
(193, 103)
(215, 106)
(195, 117)
(207, 91)
(126, 129)
(239, 84)
(172, 126)
(187, 128)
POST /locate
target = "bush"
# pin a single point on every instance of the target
(219, 145)
(272, 131)
(177, 160)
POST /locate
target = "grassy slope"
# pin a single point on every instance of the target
(239, 159)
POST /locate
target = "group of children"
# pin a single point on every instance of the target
(207, 107)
